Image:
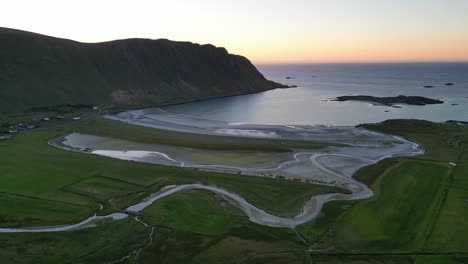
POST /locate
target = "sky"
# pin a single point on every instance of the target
(263, 30)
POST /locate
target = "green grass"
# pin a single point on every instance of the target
(21, 211)
(450, 230)
(117, 129)
(396, 217)
(207, 243)
(207, 229)
(370, 174)
(278, 258)
(444, 143)
(388, 259)
(366, 259)
(238, 245)
(256, 249)
(94, 245)
(51, 172)
(74, 177)
(442, 259)
(204, 230)
(324, 225)
(276, 199)
(206, 213)
(233, 158)
(321, 226)
(440, 141)
(409, 213)
(101, 188)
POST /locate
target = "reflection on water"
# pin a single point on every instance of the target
(309, 104)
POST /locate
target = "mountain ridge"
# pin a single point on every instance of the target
(37, 70)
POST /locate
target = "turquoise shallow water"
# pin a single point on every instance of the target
(309, 104)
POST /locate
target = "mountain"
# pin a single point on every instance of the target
(38, 70)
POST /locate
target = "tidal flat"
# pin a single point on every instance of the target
(106, 186)
(311, 166)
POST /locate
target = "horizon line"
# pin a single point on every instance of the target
(258, 62)
(360, 62)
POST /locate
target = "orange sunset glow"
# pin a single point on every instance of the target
(266, 31)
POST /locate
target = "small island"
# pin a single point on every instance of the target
(390, 101)
(457, 122)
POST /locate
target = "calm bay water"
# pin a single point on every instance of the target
(309, 104)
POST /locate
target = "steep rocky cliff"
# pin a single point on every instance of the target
(37, 70)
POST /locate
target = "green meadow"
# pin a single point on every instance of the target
(417, 215)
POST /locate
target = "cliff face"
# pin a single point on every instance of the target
(37, 70)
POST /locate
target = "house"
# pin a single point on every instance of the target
(4, 137)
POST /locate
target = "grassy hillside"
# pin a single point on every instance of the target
(37, 70)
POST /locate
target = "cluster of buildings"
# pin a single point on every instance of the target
(11, 130)
(14, 129)
(60, 117)
(5, 137)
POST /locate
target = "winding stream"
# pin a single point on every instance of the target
(310, 211)
(360, 148)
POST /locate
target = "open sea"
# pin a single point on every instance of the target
(310, 104)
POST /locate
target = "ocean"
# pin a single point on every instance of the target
(310, 104)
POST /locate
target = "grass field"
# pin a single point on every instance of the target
(116, 129)
(101, 188)
(418, 213)
(389, 221)
(450, 228)
(71, 177)
(208, 215)
(20, 211)
(205, 229)
(96, 245)
(442, 142)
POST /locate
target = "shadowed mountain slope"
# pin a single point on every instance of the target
(37, 70)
